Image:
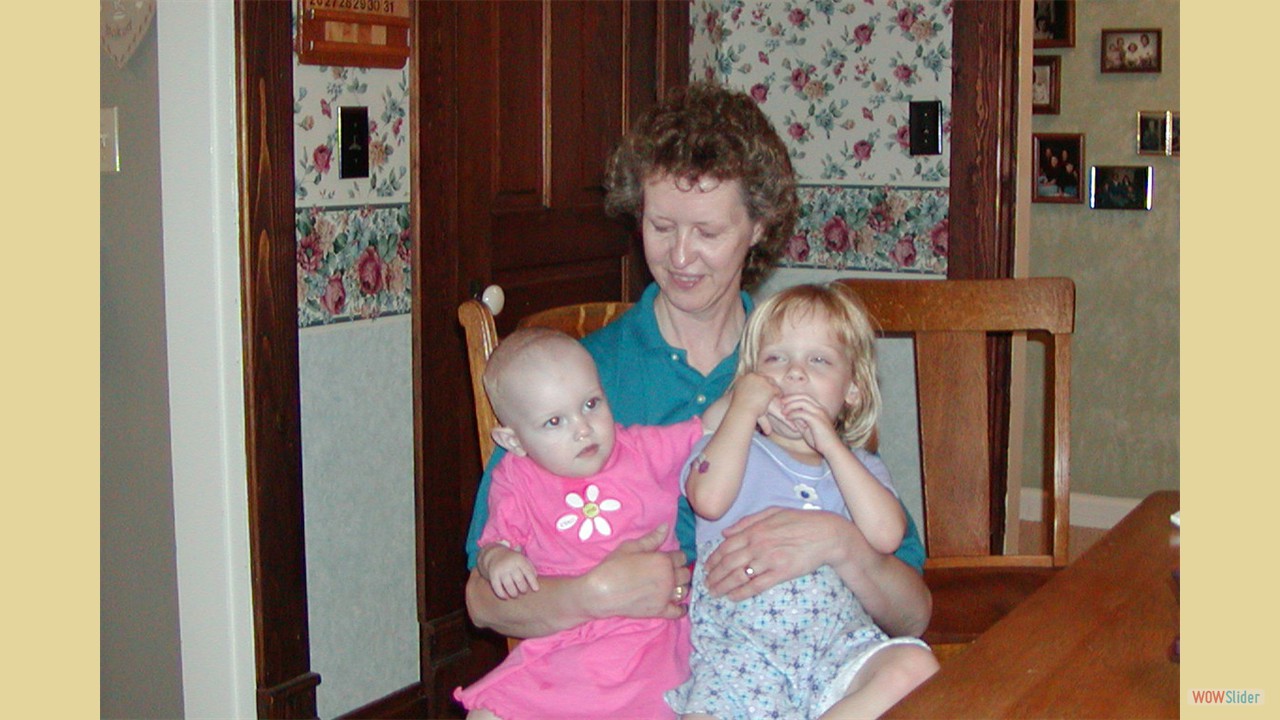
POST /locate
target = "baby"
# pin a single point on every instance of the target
(573, 487)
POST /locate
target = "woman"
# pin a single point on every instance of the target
(712, 187)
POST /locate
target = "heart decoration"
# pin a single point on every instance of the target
(124, 24)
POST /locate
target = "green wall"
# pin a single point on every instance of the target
(1125, 395)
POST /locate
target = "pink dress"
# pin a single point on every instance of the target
(615, 667)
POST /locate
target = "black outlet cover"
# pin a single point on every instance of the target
(926, 127)
(353, 142)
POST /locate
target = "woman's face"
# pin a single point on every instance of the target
(696, 239)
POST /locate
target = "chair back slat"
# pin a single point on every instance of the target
(951, 387)
(950, 322)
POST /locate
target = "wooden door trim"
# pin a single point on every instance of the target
(984, 152)
(286, 687)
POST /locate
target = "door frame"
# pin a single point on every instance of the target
(983, 159)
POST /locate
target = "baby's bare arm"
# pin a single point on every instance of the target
(508, 571)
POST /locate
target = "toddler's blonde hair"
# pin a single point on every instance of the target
(854, 331)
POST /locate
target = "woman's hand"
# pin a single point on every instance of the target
(638, 581)
(780, 544)
(635, 580)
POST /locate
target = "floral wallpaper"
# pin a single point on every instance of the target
(353, 263)
(318, 93)
(352, 234)
(837, 79)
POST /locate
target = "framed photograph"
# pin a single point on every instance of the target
(1153, 132)
(1175, 136)
(1046, 84)
(1055, 24)
(1120, 187)
(1131, 51)
(1059, 158)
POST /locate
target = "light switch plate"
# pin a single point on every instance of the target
(109, 140)
(353, 142)
(926, 128)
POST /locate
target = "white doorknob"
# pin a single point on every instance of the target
(494, 298)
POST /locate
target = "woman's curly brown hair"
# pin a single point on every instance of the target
(708, 130)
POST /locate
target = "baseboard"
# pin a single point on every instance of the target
(1091, 511)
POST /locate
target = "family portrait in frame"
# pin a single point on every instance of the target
(1055, 24)
(1131, 51)
(1120, 187)
(1153, 132)
(1158, 132)
(1059, 158)
(1046, 84)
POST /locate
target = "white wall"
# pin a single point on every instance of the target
(202, 301)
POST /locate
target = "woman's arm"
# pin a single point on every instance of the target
(783, 544)
(634, 580)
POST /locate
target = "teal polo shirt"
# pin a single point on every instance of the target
(649, 382)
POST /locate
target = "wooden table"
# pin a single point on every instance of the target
(1092, 643)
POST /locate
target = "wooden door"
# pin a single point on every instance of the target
(517, 106)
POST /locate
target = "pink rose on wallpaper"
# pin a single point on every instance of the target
(404, 250)
(395, 126)
(940, 238)
(334, 298)
(712, 24)
(862, 150)
(796, 16)
(798, 248)
(904, 136)
(371, 271)
(880, 218)
(321, 157)
(835, 234)
(796, 131)
(709, 22)
(862, 34)
(760, 92)
(838, 69)
(310, 253)
(799, 78)
(906, 19)
(904, 252)
(904, 73)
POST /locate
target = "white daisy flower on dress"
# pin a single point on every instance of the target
(588, 510)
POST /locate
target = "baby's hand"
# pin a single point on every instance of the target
(508, 571)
